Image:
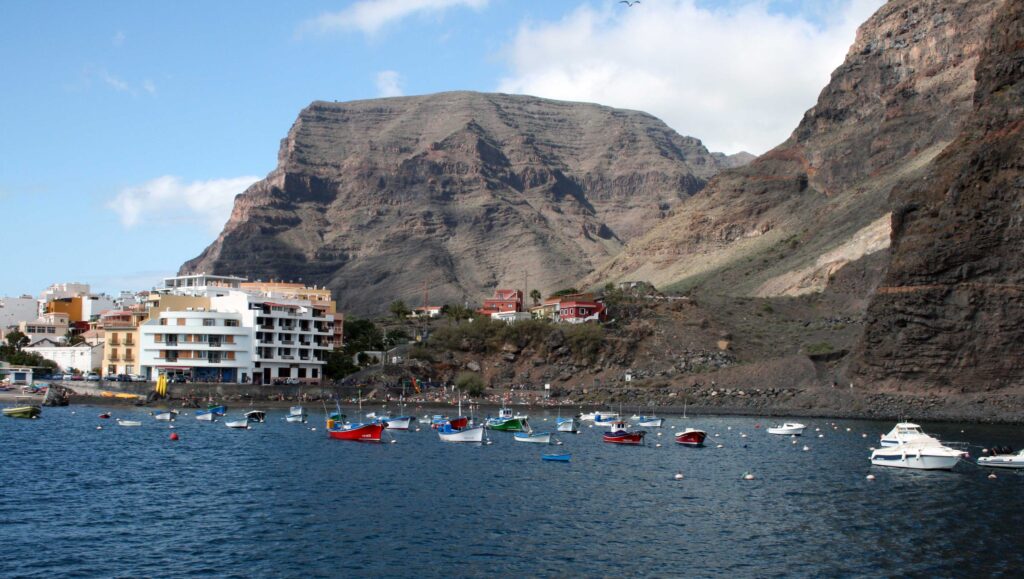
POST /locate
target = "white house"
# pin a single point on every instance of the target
(83, 357)
(511, 317)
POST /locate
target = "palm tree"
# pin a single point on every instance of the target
(535, 296)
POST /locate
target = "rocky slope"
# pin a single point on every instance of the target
(786, 223)
(950, 311)
(460, 191)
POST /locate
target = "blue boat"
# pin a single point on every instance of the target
(556, 457)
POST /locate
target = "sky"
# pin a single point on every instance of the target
(127, 128)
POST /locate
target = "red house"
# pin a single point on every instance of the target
(504, 300)
(579, 308)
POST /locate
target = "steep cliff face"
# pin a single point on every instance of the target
(787, 222)
(950, 311)
(460, 192)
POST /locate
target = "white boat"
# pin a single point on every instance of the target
(243, 423)
(166, 415)
(906, 432)
(922, 455)
(535, 437)
(295, 418)
(472, 434)
(605, 419)
(128, 422)
(256, 416)
(567, 425)
(650, 421)
(205, 415)
(297, 411)
(789, 428)
(398, 422)
(1010, 460)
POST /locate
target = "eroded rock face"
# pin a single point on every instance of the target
(460, 191)
(950, 311)
(902, 94)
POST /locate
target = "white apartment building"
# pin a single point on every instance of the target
(202, 345)
(20, 309)
(83, 357)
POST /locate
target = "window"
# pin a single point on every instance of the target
(231, 323)
(209, 322)
(316, 372)
(158, 338)
(181, 321)
(163, 321)
(229, 339)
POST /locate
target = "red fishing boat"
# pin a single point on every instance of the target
(617, 434)
(691, 437)
(369, 432)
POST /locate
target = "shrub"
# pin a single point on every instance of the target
(470, 382)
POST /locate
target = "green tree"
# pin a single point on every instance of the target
(535, 296)
(457, 313)
(470, 383)
(399, 309)
(566, 292)
(72, 339)
(16, 340)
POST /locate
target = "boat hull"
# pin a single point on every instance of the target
(358, 432)
(295, 418)
(398, 422)
(132, 423)
(507, 425)
(256, 416)
(556, 457)
(538, 438)
(23, 411)
(1013, 461)
(205, 415)
(240, 424)
(629, 438)
(787, 429)
(165, 416)
(912, 459)
(691, 437)
(568, 425)
(650, 422)
(473, 434)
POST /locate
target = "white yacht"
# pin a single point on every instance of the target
(921, 455)
(906, 432)
(789, 428)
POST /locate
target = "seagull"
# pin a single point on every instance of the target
(628, 3)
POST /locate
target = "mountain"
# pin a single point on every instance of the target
(786, 223)
(950, 310)
(457, 193)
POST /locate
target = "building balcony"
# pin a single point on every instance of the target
(287, 357)
(287, 341)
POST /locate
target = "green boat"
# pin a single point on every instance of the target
(506, 422)
(31, 411)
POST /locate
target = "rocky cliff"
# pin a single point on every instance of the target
(785, 224)
(460, 192)
(950, 311)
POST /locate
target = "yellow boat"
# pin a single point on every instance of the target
(30, 411)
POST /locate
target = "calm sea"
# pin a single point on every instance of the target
(281, 500)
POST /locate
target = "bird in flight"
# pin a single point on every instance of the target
(628, 3)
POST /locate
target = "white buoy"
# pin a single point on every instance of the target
(393, 441)
(73, 413)
(417, 429)
(679, 476)
(871, 448)
(489, 442)
(748, 476)
(719, 446)
(817, 430)
(170, 426)
(864, 435)
(313, 429)
(821, 436)
(794, 441)
(558, 443)
(871, 477)
(591, 426)
(659, 434)
(847, 430)
(99, 428)
(806, 448)
(657, 445)
(728, 428)
(743, 435)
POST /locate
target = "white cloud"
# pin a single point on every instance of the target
(149, 86)
(169, 200)
(369, 16)
(389, 83)
(116, 83)
(738, 78)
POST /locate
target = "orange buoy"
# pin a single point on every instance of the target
(174, 436)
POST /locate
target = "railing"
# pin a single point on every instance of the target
(287, 357)
(287, 341)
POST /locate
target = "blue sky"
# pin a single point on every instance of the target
(127, 127)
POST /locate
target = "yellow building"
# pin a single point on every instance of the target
(121, 341)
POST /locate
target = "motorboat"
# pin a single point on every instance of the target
(789, 428)
(26, 411)
(691, 437)
(534, 437)
(470, 434)
(362, 432)
(508, 422)
(906, 432)
(556, 457)
(650, 421)
(256, 416)
(129, 422)
(217, 409)
(165, 415)
(922, 455)
(567, 424)
(999, 459)
(605, 419)
(619, 434)
(240, 424)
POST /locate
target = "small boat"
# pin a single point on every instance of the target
(567, 424)
(691, 437)
(471, 434)
(240, 424)
(906, 432)
(105, 415)
(397, 423)
(606, 419)
(556, 457)
(1000, 459)
(650, 421)
(618, 434)
(218, 410)
(256, 416)
(363, 432)
(921, 455)
(166, 415)
(205, 415)
(789, 428)
(129, 422)
(507, 422)
(534, 437)
(27, 411)
(295, 418)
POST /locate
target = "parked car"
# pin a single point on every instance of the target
(67, 377)
(92, 377)
(78, 377)
(137, 378)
